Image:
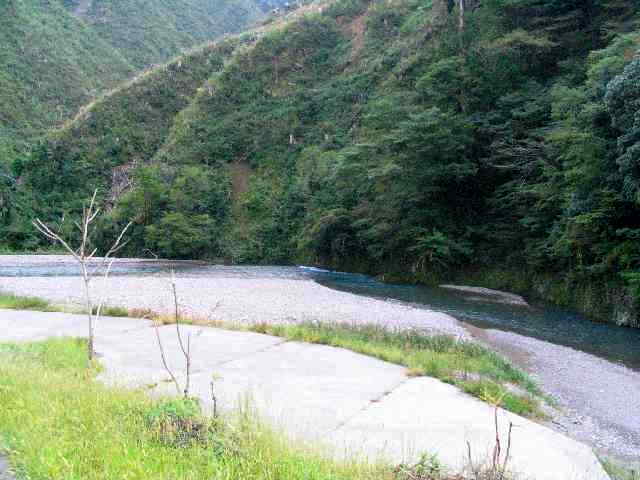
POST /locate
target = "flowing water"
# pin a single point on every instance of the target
(541, 321)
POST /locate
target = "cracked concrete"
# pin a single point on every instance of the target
(350, 404)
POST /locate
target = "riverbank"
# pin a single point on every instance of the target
(263, 298)
(596, 399)
(239, 301)
(604, 299)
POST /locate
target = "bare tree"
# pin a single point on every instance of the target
(185, 347)
(84, 255)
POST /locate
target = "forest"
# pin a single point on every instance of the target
(496, 141)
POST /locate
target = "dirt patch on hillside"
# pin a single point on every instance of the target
(240, 173)
(356, 30)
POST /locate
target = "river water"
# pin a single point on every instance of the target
(592, 369)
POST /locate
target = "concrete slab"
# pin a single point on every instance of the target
(32, 326)
(353, 404)
(5, 469)
(426, 415)
(307, 390)
(137, 360)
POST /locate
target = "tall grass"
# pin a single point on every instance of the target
(15, 302)
(56, 422)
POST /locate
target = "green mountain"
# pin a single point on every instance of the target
(496, 143)
(58, 55)
(50, 64)
(148, 32)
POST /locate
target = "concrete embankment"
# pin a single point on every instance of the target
(351, 404)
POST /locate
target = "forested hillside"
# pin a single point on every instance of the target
(148, 32)
(50, 64)
(497, 143)
(58, 55)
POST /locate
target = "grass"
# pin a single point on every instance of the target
(472, 367)
(82, 429)
(15, 302)
(619, 472)
(109, 311)
(9, 301)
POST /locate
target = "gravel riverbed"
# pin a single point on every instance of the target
(599, 401)
(235, 300)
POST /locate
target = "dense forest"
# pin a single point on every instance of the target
(495, 142)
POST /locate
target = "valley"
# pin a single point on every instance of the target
(444, 190)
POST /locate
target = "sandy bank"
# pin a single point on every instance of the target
(489, 295)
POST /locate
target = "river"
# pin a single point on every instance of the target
(591, 369)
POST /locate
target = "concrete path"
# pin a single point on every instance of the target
(5, 471)
(352, 404)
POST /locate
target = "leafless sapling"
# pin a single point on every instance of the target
(84, 255)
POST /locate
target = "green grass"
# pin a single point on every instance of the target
(10, 301)
(81, 429)
(619, 472)
(475, 369)
(108, 311)
(15, 302)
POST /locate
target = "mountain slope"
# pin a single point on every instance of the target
(152, 32)
(60, 54)
(50, 64)
(401, 138)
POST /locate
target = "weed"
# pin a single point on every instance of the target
(113, 311)
(179, 422)
(427, 468)
(15, 302)
(83, 429)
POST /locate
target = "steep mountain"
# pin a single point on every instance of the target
(60, 54)
(496, 143)
(152, 32)
(50, 64)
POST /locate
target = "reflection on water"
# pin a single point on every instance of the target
(542, 321)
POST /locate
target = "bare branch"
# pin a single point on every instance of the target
(177, 315)
(506, 458)
(164, 360)
(214, 400)
(47, 232)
